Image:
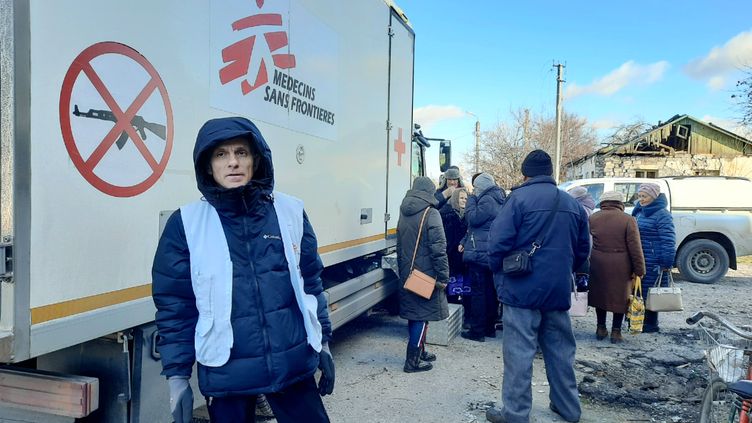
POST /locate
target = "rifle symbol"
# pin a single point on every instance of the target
(138, 122)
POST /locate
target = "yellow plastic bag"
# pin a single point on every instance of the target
(636, 310)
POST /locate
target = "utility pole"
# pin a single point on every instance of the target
(525, 129)
(477, 141)
(477, 145)
(557, 157)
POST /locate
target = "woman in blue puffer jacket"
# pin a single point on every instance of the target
(658, 242)
(480, 212)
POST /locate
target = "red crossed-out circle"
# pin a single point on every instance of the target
(82, 63)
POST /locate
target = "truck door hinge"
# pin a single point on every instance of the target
(387, 217)
(390, 31)
(6, 260)
(388, 125)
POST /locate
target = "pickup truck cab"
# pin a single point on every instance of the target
(712, 216)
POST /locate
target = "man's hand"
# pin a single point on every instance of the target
(326, 364)
(448, 192)
(181, 399)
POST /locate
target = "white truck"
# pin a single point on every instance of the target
(712, 216)
(101, 103)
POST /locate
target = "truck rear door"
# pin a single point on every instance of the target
(399, 117)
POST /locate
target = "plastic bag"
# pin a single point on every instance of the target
(636, 309)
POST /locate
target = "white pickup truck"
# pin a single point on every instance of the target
(712, 216)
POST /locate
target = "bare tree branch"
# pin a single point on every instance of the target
(503, 148)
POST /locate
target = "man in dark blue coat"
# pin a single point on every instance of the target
(237, 288)
(536, 304)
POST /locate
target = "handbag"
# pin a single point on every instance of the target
(579, 301)
(458, 286)
(636, 308)
(418, 282)
(667, 298)
(520, 262)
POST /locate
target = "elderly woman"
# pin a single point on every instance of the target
(658, 242)
(482, 207)
(616, 256)
(418, 210)
(583, 197)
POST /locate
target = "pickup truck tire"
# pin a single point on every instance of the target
(702, 261)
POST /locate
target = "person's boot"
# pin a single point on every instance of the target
(616, 337)
(413, 363)
(425, 355)
(494, 415)
(601, 332)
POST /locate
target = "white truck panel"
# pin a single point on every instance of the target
(92, 246)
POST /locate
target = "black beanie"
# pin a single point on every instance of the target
(537, 163)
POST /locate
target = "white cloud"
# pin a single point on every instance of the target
(722, 60)
(717, 83)
(605, 124)
(626, 74)
(430, 115)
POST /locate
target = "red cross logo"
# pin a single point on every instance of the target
(399, 147)
(238, 55)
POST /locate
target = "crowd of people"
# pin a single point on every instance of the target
(511, 260)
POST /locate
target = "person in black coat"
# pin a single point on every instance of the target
(450, 181)
(455, 228)
(482, 208)
(418, 215)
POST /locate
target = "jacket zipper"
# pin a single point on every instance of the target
(260, 310)
(472, 238)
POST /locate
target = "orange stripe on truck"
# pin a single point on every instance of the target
(82, 305)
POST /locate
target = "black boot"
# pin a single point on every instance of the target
(413, 363)
(425, 355)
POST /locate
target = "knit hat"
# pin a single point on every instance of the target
(537, 163)
(612, 196)
(578, 192)
(422, 183)
(452, 173)
(483, 182)
(650, 189)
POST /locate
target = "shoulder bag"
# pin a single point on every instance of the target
(519, 263)
(418, 282)
(667, 298)
(579, 306)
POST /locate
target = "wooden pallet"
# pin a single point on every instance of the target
(48, 392)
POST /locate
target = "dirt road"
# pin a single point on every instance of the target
(651, 377)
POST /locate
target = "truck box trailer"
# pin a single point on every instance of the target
(101, 104)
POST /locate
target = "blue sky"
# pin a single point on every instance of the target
(625, 60)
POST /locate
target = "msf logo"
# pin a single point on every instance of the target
(238, 55)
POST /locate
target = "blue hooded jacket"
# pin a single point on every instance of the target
(270, 349)
(564, 248)
(480, 212)
(658, 239)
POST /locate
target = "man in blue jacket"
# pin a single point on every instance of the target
(536, 303)
(237, 288)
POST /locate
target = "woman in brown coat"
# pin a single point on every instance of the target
(615, 258)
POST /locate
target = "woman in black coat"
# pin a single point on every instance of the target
(482, 208)
(455, 228)
(431, 259)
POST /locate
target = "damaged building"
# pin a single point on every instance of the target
(682, 146)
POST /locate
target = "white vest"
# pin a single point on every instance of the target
(211, 276)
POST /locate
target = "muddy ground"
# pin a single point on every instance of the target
(650, 378)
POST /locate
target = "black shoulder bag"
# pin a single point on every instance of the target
(520, 262)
